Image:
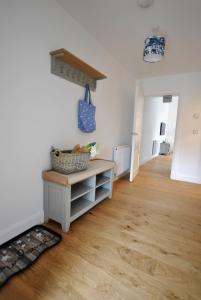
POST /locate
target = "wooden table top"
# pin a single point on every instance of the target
(95, 167)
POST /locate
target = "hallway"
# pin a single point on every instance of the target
(158, 167)
(143, 244)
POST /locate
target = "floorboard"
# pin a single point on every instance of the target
(143, 244)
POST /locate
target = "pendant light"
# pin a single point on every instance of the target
(154, 47)
(145, 3)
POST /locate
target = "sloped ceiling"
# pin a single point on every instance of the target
(121, 27)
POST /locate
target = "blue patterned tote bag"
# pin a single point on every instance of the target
(86, 113)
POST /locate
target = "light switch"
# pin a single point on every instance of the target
(195, 131)
(196, 116)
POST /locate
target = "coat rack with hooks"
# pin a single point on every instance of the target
(70, 67)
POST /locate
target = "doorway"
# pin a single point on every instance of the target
(154, 129)
(158, 128)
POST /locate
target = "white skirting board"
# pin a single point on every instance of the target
(121, 156)
(181, 177)
(19, 227)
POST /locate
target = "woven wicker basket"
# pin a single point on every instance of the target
(66, 162)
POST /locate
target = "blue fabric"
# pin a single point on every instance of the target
(86, 113)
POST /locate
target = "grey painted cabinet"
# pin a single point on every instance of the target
(164, 148)
(67, 197)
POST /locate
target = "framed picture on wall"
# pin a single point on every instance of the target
(162, 128)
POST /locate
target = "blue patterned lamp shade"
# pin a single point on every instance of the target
(154, 48)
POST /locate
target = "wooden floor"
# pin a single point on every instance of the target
(145, 243)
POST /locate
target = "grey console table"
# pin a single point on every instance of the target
(164, 148)
(67, 197)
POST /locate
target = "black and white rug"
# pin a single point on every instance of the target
(19, 253)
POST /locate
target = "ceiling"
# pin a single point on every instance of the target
(121, 27)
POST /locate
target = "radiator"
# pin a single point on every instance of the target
(155, 147)
(121, 156)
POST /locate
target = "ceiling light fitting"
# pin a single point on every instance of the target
(145, 3)
(154, 47)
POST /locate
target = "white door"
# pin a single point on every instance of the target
(136, 133)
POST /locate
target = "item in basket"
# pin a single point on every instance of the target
(78, 149)
(83, 150)
(93, 149)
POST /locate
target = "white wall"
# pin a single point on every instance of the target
(187, 155)
(39, 109)
(155, 112)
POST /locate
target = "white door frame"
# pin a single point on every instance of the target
(133, 170)
(136, 131)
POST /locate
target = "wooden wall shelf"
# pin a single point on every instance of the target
(70, 67)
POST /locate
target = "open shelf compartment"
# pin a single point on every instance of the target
(101, 193)
(81, 188)
(79, 207)
(103, 178)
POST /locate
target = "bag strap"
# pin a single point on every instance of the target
(87, 96)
